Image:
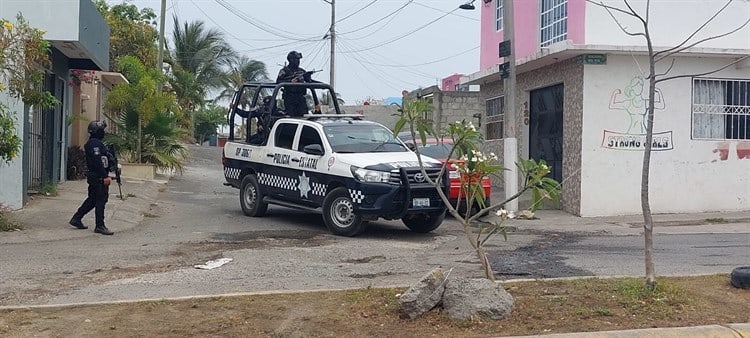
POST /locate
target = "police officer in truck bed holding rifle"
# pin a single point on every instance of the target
(295, 103)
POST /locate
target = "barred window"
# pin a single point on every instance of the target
(553, 21)
(495, 112)
(499, 15)
(721, 109)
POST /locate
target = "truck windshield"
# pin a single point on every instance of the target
(363, 138)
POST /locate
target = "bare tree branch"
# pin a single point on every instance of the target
(666, 71)
(609, 10)
(635, 14)
(705, 73)
(661, 57)
(696, 31)
(648, 9)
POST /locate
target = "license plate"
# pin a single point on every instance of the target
(420, 202)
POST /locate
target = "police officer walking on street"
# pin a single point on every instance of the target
(100, 162)
(295, 103)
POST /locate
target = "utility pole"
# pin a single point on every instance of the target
(160, 56)
(333, 46)
(510, 140)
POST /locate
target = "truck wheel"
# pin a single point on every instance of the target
(741, 277)
(424, 223)
(339, 215)
(251, 199)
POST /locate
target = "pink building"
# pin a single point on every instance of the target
(451, 83)
(580, 94)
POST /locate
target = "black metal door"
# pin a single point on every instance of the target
(546, 128)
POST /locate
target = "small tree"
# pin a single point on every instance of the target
(23, 55)
(207, 120)
(655, 57)
(472, 165)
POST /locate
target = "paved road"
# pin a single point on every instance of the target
(198, 219)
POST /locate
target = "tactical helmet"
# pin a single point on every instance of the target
(97, 127)
(294, 55)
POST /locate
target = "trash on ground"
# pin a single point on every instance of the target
(213, 264)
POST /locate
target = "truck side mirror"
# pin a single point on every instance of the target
(313, 149)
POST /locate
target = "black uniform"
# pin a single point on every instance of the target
(295, 103)
(100, 162)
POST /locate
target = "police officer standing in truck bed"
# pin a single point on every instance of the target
(295, 103)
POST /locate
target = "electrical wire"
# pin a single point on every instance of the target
(261, 25)
(357, 11)
(358, 58)
(378, 20)
(425, 63)
(407, 34)
(443, 11)
(218, 25)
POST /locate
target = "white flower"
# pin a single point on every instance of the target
(501, 213)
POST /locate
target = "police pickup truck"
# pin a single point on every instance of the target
(352, 170)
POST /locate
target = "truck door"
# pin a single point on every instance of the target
(280, 177)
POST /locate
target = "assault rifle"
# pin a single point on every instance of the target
(115, 167)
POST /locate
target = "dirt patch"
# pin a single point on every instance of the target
(541, 307)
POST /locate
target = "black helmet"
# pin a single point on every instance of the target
(96, 128)
(293, 55)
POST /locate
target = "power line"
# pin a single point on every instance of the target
(381, 19)
(407, 34)
(218, 25)
(357, 11)
(443, 11)
(425, 63)
(260, 24)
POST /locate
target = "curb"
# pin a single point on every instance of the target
(739, 330)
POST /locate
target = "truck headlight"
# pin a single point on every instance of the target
(365, 175)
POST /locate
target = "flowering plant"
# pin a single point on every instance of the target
(78, 76)
(473, 165)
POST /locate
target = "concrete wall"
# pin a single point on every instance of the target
(687, 176)
(94, 34)
(11, 174)
(59, 18)
(670, 23)
(377, 113)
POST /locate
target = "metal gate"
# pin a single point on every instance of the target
(40, 142)
(546, 128)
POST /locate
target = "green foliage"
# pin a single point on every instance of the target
(145, 118)
(48, 189)
(640, 298)
(6, 224)
(24, 54)
(131, 32)
(241, 69)
(76, 167)
(207, 120)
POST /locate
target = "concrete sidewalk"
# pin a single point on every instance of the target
(46, 218)
(685, 223)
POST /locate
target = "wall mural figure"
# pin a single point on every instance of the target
(633, 99)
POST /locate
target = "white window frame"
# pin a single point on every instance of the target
(712, 117)
(499, 15)
(553, 21)
(495, 117)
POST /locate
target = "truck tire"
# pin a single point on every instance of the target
(339, 215)
(424, 223)
(251, 198)
(741, 277)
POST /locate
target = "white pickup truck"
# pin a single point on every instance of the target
(351, 169)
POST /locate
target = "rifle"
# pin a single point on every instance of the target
(116, 166)
(306, 76)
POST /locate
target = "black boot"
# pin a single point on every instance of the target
(103, 230)
(77, 223)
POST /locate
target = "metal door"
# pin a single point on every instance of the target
(546, 128)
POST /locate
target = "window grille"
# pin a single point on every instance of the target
(721, 109)
(553, 21)
(495, 112)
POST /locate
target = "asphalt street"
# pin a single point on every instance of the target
(198, 219)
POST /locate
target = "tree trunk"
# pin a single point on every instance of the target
(140, 141)
(485, 263)
(648, 222)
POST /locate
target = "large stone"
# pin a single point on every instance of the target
(464, 298)
(424, 295)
